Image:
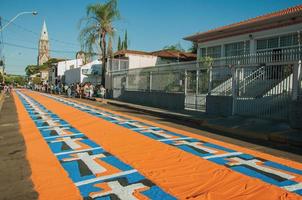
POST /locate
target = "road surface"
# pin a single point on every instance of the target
(76, 150)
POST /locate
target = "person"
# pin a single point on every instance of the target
(102, 92)
(51, 89)
(72, 89)
(6, 91)
(86, 90)
(82, 90)
(78, 90)
(68, 91)
(91, 89)
(65, 88)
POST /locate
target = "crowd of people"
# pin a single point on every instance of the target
(80, 90)
(7, 88)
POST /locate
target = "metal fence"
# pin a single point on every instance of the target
(261, 84)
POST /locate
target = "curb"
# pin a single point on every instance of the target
(279, 138)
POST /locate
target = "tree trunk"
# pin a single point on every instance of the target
(103, 58)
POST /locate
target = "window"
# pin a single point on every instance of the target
(238, 48)
(214, 52)
(289, 40)
(262, 44)
(203, 52)
(277, 42)
(273, 42)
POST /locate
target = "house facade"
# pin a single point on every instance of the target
(44, 75)
(89, 72)
(267, 33)
(57, 70)
(142, 59)
(254, 63)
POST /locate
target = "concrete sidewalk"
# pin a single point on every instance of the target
(258, 130)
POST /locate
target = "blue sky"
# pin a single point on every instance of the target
(151, 24)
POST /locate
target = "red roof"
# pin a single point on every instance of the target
(281, 18)
(161, 53)
(123, 52)
(174, 54)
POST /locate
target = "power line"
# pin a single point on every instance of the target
(37, 34)
(34, 48)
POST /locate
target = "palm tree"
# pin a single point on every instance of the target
(98, 25)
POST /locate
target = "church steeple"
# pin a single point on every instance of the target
(44, 33)
(43, 55)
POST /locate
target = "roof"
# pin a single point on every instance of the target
(281, 18)
(161, 53)
(123, 52)
(174, 54)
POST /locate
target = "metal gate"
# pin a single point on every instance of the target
(263, 92)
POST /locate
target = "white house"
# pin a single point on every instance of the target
(266, 33)
(44, 75)
(132, 59)
(56, 72)
(91, 72)
(264, 54)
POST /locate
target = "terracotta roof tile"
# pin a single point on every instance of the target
(123, 52)
(160, 53)
(288, 11)
(174, 54)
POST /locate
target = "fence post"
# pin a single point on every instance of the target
(243, 77)
(196, 90)
(126, 81)
(186, 81)
(296, 80)
(150, 81)
(210, 80)
(234, 88)
(197, 80)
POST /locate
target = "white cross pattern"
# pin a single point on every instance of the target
(123, 192)
(196, 145)
(71, 142)
(160, 133)
(89, 160)
(253, 163)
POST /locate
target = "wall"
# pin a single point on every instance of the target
(153, 99)
(66, 65)
(139, 61)
(76, 76)
(73, 76)
(219, 105)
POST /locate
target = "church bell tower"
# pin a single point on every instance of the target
(43, 55)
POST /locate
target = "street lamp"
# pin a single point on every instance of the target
(34, 13)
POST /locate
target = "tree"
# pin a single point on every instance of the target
(98, 21)
(174, 47)
(37, 80)
(193, 48)
(31, 69)
(125, 43)
(1, 77)
(110, 51)
(119, 45)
